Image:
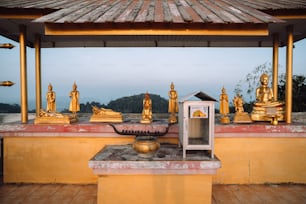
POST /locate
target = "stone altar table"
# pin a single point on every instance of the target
(123, 177)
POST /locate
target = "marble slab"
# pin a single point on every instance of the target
(122, 159)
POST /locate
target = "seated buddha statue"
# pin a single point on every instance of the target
(266, 108)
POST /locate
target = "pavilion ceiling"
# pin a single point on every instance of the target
(153, 23)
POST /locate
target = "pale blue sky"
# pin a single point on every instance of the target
(104, 74)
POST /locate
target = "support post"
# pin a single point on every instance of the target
(289, 62)
(38, 72)
(275, 66)
(23, 75)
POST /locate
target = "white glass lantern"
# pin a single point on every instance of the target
(197, 122)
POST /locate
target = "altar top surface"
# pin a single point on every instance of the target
(123, 159)
(83, 128)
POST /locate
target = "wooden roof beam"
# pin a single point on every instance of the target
(285, 14)
(18, 13)
(209, 30)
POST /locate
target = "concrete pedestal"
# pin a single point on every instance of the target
(166, 178)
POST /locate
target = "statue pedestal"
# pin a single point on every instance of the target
(242, 118)
(99, 119)
(166, 178)
(268, 113)
(146, 121)
(225, 120)
(55, 120)
(172, 118)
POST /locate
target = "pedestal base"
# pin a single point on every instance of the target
(172, 119)
(268, 113)
(242, 118)
(267, 117)
(225, 120)
(146, 121)
(167, 178)
(95, 119)
(153, 189)
(55, 120)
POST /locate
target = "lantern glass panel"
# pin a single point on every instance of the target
(198, 128)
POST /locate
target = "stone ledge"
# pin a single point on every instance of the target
(122, 159)
(87, 129)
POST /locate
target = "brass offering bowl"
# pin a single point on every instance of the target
(146, 146)
(146, 137)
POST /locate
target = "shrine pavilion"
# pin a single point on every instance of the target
(192, 23)
(250, 153)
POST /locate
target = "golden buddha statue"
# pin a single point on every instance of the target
(74, 100)
(146, 116)
(43, 113)
(51, 96)
(46, 117)
(238, 103)
(266, 108)
(224, 109)
(50, 116)
(105, 115)
(173, 105)
(240, 116)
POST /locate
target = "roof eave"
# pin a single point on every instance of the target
(23, 13)
(247, 29)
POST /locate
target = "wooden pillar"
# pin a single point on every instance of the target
(23, 75)
(275, 66)
(38, 72)
(289, 58)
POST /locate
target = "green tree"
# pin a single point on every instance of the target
(252, 80)
(298, 92)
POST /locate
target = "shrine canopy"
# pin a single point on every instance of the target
(199, 95)
(153, 23)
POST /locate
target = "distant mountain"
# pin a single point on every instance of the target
(133, 104)
(9, 108)
(128, 104)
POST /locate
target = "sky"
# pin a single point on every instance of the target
(105, 74)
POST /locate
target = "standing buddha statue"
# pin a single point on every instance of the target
(173, 105)
(74, 100)
(224, 109)
(51, 96)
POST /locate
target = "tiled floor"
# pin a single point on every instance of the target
(258, 194)
(48, 193)
(86, 194)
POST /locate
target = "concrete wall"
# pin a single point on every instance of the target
(254, 153)
(261, 160)
(65, 159)
(54, 159)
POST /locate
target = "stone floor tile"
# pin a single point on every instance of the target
(42, 199)
(24, 190)
(84, 199)
(11, 199)
(222, 194)
(90, 189)
(60, 199)
(46, 189)
(7, 189)
(70, 190)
